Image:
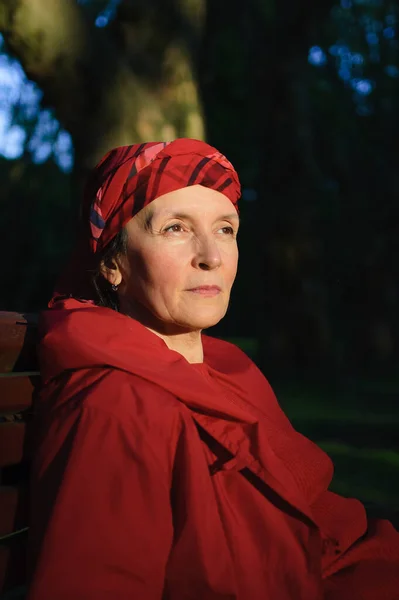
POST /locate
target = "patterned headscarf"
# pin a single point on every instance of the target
(127, 179)
(130, 177)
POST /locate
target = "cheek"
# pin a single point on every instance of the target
(230, 265)
(153, 271)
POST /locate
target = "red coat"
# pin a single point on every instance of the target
(156, 479)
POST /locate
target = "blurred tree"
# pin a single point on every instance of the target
(328, 189)
(36, 222)
(113, 71)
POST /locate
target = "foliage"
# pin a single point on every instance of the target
(356, 425)
(36, 231)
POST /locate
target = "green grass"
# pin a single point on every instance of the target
(370, 475)
(359, 433)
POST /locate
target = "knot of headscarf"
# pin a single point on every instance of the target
(124, 181)
(130, 177)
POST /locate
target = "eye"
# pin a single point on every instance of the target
(174, 228)
(227, 230)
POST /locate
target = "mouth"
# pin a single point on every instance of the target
(206, 290)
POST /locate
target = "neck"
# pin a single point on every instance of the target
(186, 342)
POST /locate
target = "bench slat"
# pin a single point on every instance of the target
(18, 335)
(14, 508)
(18, 364)
(15, 443)
(16, 393)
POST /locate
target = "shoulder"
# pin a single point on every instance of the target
(111, 392)
(115, 406)
(122, 392)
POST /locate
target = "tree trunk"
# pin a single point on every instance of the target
(100, 81)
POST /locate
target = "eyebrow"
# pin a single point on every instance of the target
(148, 219)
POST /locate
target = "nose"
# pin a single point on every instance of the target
(207, 255)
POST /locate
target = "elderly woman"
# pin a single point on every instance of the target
(165, 468)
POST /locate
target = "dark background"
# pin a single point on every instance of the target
(302, 98)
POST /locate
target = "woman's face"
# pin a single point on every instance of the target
(181, 261)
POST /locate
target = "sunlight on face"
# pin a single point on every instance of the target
(181, 261)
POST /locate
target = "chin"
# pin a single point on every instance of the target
(205, 320)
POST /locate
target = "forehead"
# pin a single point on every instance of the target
(195, 199)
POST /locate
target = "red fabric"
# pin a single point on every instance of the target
(156, 479)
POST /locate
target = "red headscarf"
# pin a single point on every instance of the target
(127, 179)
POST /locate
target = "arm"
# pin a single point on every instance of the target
(102, 523)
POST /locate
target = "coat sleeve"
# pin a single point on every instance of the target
(101, 518)
(360, 558)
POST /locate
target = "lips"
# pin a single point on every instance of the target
(206, 290)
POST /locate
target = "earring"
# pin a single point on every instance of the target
(114, 287)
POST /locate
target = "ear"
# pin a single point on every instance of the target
(111, 272)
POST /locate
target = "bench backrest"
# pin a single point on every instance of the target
(19, 377)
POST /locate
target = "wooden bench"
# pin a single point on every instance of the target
(19, 378)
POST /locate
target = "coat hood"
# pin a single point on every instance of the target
(79, 335)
